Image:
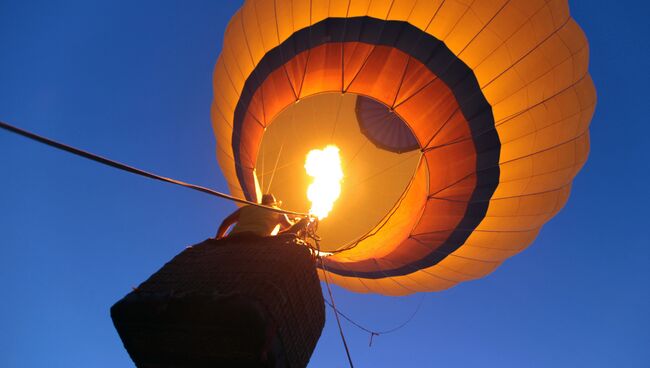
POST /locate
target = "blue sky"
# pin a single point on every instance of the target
(133, 82)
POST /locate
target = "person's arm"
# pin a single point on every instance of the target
(285, 223)
(227, 223)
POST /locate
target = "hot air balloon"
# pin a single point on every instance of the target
(460, 124)
(442, 135)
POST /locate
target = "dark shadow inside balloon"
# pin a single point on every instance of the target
(383, 127)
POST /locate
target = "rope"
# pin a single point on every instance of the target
(133, 170)
(310, 232)
(261, 175)
(277, 159)
(374, 333)
(336, 312)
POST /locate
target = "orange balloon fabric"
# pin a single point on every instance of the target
(496, 94)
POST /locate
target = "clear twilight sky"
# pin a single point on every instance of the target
(132, 81)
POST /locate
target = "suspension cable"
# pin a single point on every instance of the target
(374, 333)
(133, 170)
(336, 313)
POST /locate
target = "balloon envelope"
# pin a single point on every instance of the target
(461, 126)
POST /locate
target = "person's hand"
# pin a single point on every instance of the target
(304, 222)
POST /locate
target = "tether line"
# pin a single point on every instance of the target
(133, 170)
(336, 311)
(374, 333)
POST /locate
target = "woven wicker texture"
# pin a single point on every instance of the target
(245, 302)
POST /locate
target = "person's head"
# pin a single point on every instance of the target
(269, 200)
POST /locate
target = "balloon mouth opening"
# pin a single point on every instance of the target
(363, 182)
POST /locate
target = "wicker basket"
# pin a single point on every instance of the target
(246, 302)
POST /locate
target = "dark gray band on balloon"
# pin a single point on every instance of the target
(442, 62)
